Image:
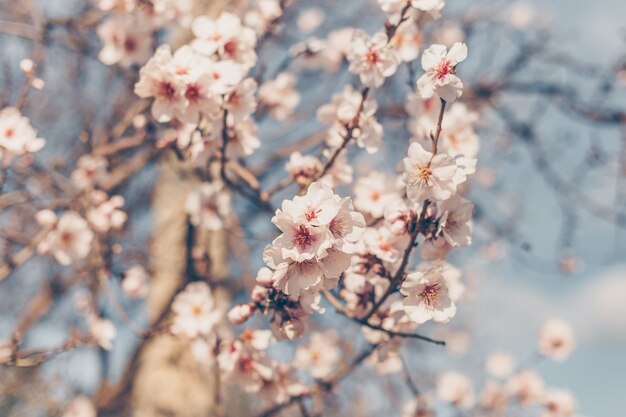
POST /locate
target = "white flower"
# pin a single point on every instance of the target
(319, 231)
(243, 142)
(282, 386)
(559, 403)
(440, 66)
(321, 355)
(126, 41)
(343, 111)
(456, 221)
(317, 207)
(303, 168)
(407, 42)
(240, 313)
(241, 102)
(280, 96)
(556, 340)
(373, 192)
(71, 239)
(90, 170)
(244, 361)
(494, 398)
(226, 37)
(456, 389)
(427, 295)
(136, 282)
(431, 6)
(107, 214)
(371, 58)
(433, 177)
(17, 136)
(527, 387)
(500, 364)
(158, 79)
(293, 277)
(80, 406)
(347, 227)
(458, 136)
(260, 16)
(384, 244)
(102, 330)
(195, 312)
(419, 407)
(208, 205)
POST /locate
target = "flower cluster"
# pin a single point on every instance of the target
(128, 32)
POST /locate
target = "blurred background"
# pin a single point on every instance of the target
(550, 192)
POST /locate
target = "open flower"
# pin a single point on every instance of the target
(371, 58)
(70, 240)
(427, 295)
(280, 96)
(158, 79)
(208, 205)
(440, 66)
(136, 283)
(526, 387)
(429, 176)
(321, 355)
(556, 340)
(17, 136)
(430, 6)
(455, 388)
(195, 312)
(127, 41)
(225, 37)
(559, 403)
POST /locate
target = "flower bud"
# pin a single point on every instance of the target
(240, 313)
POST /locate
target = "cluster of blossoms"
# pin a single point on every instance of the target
(355, 252)
(319, 231)
(202, 89)
(128, 32)
(508, 385)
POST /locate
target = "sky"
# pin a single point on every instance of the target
(520, 296)
(594, 299)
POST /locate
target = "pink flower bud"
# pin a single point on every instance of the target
(240, 313)
(46, 218)
(264, 277)
(398, 227)
(258, 294)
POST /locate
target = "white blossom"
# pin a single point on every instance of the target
(70, 240)
(371, 58)
(427, 295)
(440, 77)
(17, 136)
(195, 311)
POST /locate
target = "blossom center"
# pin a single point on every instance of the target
(311, 213)
(443, 69)
(303, 237)
(192, 93)
(430, 293)
(196, 310)
(168, 90)
(130, 45)
(230, 48)
(372, 57)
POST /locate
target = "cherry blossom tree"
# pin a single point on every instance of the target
(338, 178)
